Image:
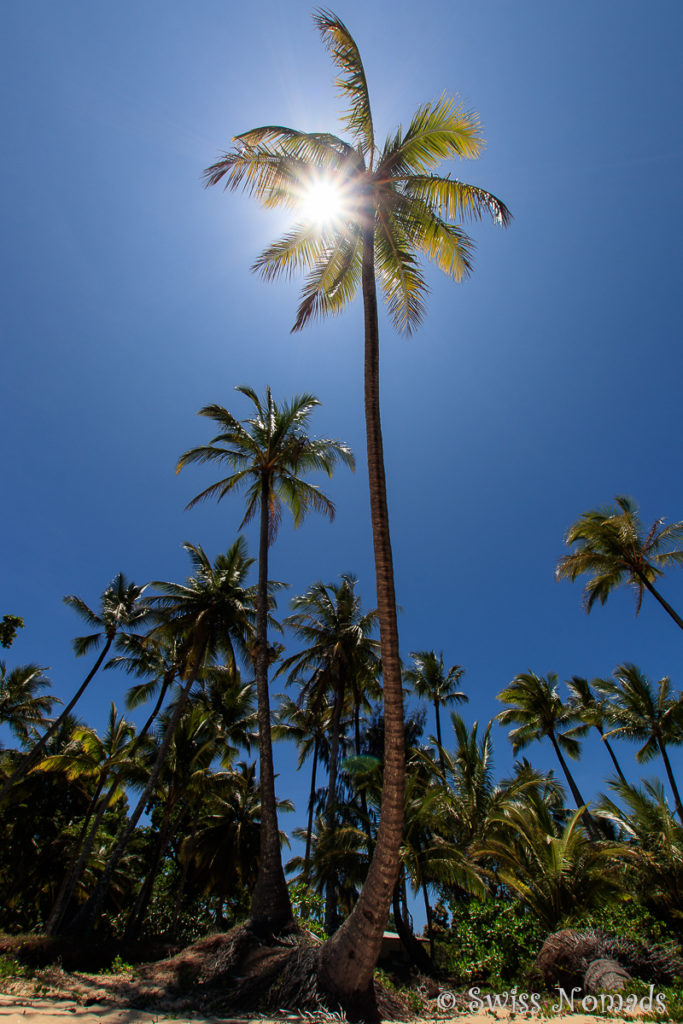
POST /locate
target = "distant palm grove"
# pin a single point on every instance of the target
(164, 829)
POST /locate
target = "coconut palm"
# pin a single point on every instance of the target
(22, 705)
(268, 455)
(612, 548)
(428, 678)
(592, 709)
(120, 608)
(394, 208)
(211, 614)
(638, 712)
(536, 708)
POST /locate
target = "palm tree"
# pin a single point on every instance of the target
(611, 547)
(592, 709)
(268, 455)
(638, 713)
(22, 706)
(394, 208)
(536, 707)
(554, 874)
(340, 651)
(120, 608)
(429, 679)
(211, 613)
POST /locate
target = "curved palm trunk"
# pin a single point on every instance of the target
(670, 777)
(665, 604)
(438, 735)
(411, 945)
(586, 817)
(271, 909)
(38, 749)
(612, 754)
(85, 919)
(348, 959)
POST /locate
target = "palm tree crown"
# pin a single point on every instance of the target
(612, 548)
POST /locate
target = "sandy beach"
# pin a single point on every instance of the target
(36, 1010)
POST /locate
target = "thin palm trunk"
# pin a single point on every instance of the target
(73, 875)
(137, 915)
(66, 888)
(331, 809)
(271, 909)
(428, 912)
(578, 799)
(665, 604)
(670, 777)
(611, 754)
(85, 919)
(438, 734)
(311, 802)
(348, 959)
(38, 749)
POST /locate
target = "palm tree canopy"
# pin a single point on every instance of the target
(536, 707)
(120, 606)
(638, 711)
(429, 678)
(612, 548)
(390, 190)
(271, 448)
(22, 706)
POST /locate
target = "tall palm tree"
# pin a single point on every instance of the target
(537, 710)
(22, 706)
(212, 613)
(591, 707)
(611, 546)
(638, 712)
(268, 455)
(120, 608)
(430, 679)
(394, 208)
(341, 650)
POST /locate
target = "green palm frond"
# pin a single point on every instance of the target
(352, 81)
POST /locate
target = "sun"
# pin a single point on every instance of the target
(322, 203)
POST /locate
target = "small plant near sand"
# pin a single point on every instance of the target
(119, 966)
(11, 968)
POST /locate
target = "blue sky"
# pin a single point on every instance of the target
(545, 385)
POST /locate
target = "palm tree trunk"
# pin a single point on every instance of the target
(428, 912)
(670, 777)
(38, 749)
(612, 754)
(271, 909)
(438, 735)
(413, 948)
(348, 959)
(137, 915)
(311, 802)
(586, 817)
(331, 809)
(74, 869)
(83, 922)
(665, 604)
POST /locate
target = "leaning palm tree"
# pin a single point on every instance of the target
(592, 708)
(638, 712)
(268, 455)
(612, 548)
(537, 710)
(121, 608)
(393, 209)
(430, 679)
(212, 613)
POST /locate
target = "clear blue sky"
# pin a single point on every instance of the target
(545, 385)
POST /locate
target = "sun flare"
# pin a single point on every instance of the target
(322, 203)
